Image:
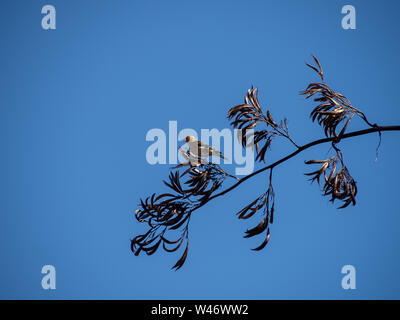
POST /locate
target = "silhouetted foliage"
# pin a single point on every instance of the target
(168, 215)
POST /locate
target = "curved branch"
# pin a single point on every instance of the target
(302, 148)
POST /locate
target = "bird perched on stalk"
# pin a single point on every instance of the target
(200, 150)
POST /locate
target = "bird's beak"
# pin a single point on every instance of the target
(183, 140)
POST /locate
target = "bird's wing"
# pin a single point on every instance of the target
(212, 151)
(200, 148)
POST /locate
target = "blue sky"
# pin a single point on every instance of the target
(76, 104)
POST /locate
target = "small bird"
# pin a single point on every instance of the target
(201, 150)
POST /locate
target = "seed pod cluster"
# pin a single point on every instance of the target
(170, 212)
(338, 183)
(267, 202)
(333, 109)
(247, 116)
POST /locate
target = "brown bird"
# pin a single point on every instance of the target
(201, 150)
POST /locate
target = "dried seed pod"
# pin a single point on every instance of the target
(333, 107)
(337, 184)
(170, 212)
(247, 116)
(266, 201)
